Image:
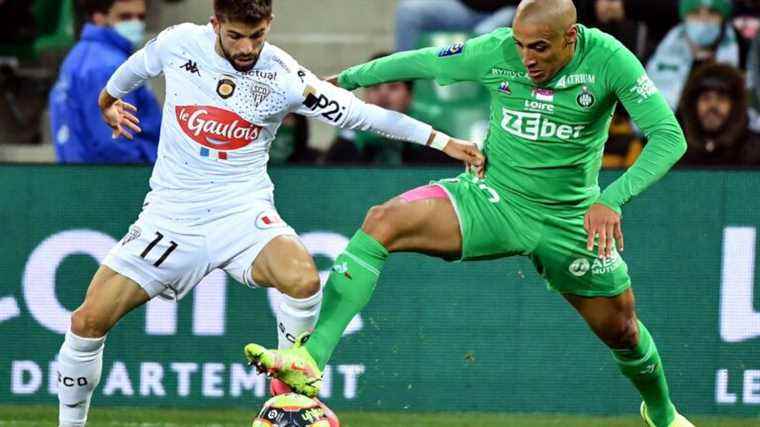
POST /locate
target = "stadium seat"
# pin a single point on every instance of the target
(460, 109)
(55, 24)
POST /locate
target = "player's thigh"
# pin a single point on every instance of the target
(162, 257)
(487, 223)
(285, 264)
(109, 297)
(563, 260)
(420, 220)
(259, 249)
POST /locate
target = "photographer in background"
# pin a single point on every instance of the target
(115, 28)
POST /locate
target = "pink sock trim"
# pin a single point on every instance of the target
(423, 193)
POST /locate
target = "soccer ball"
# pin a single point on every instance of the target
(292, 410)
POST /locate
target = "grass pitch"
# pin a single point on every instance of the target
(33, 416)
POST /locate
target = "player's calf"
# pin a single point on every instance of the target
(80, 359)
(80, 362)
(286, 265)
(621, 333)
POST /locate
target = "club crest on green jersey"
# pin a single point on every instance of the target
(585, 99)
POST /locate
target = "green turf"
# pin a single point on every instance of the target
(28, 416)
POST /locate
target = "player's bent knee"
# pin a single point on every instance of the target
(379, 223)
(300, 284)
(87, 323)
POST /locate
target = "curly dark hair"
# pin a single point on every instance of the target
(90, 7)
(246, 11)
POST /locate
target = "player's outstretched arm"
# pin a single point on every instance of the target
(449, 64)
(340, 108)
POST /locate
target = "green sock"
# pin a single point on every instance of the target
(643, 367)
(349, 288)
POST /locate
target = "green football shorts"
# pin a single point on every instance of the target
(497, 225)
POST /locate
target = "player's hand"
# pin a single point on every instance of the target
(605, 223)
(119, 116)
(332, 80)
(469, 153)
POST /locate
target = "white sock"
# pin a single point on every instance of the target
(80, 363)
(296, 316)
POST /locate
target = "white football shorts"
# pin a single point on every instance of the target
(168, 258)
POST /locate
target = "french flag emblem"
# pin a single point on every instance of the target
(219, 155)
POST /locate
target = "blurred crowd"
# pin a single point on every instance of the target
(703, 55)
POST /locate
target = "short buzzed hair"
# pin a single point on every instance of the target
(245, 11)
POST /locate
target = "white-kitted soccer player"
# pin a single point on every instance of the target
(211, 200)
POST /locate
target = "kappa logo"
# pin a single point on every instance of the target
(191, 67)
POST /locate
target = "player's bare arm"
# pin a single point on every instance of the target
(118, 115)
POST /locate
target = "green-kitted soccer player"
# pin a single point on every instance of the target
(554, 85)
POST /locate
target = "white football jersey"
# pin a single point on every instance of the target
(218, 123)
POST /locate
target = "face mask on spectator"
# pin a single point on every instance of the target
(132, 30)
(703, 33)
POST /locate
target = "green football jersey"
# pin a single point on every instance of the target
(545, 143)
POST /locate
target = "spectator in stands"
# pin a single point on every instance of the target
(17, 23)
(753, 84)
(114, 30)
(713, 113)
(705, 35)
(479, 16)
(360, 147)
(366, 147)
(746, 21)
(639, 24)
(291, 145)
